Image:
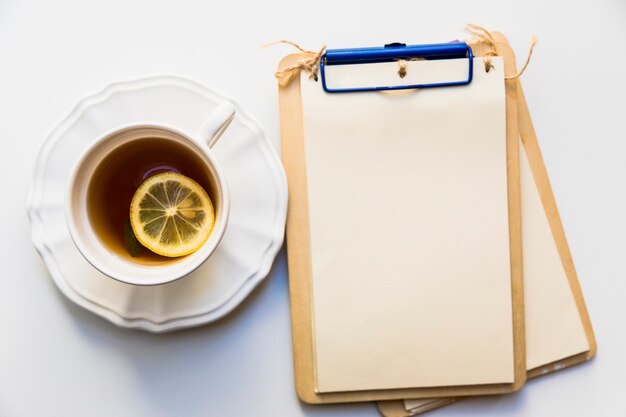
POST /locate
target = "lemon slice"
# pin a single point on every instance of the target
(171, 214)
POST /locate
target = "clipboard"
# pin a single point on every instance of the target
(300, 263)
(537, 174)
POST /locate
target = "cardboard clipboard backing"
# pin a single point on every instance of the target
(529, 141)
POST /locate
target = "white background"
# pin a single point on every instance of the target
(58, 360)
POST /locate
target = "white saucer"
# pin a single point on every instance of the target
(255, 232)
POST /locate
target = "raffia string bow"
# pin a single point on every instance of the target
(309, 62)
(483, 35)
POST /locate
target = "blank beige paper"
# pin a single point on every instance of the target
(409, 235)
(554, 330)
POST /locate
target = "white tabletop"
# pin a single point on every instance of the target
(58, 360)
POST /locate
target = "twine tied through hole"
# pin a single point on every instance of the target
(310, 63)
(402, 68)
(486, 37)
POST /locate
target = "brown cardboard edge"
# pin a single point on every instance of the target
(297, 233)
(299, 261)
(515, 215)
(529, 140)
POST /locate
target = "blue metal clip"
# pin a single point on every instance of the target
(393, 52)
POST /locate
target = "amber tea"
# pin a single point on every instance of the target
(119, 175)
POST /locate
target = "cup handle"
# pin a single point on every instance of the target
(217, 123)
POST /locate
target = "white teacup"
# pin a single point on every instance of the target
(125, 268)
